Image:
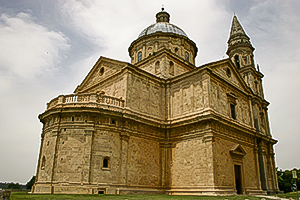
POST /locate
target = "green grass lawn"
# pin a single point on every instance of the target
(292, 195)
(24, 195)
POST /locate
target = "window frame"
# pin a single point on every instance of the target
(187, 56)
(106, 163)
(171, 70)
(139, 56)
(237, 61)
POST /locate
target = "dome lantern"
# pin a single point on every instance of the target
(162, 16)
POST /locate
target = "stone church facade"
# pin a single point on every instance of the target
(160, 124)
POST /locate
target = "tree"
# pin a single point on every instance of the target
(14, 186)
(30, 183)
(286, 181)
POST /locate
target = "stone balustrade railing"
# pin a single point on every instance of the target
(88, 100)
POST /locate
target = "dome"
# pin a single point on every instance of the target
(161, 36)
(162, 25)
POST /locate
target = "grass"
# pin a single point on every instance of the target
(24, 195)
(292, 195)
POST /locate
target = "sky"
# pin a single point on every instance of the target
(48, 47)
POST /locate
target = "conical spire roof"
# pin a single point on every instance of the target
(236, 28)
(238, 35)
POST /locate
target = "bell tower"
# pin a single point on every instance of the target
(240, 52)
(240, 49)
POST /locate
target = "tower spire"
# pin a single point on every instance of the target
(237, 29)
(238, 38)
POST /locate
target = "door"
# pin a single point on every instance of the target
(238, 179)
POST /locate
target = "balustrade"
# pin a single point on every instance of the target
(89, 100)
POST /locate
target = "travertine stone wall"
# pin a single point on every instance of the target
(219, 102)
(224, 164)
(192, 163)
(250, 164)
(70, 159)
(189, 95)
(145, 95)
(227, 73)
(106, 144)
(48, 150)
(143, 162)
(114, 86)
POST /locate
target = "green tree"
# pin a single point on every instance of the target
(30, 183)
(286, 181)
(14, 186)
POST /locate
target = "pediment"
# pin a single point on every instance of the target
(163, 69)
(103, 69)
(229, 73)
(237, 149)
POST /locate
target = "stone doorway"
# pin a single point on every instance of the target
(238, 179)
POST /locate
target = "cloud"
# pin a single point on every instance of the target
(104, 24)
(27, 48)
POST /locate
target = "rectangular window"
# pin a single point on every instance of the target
(256, 125)
(232, 108)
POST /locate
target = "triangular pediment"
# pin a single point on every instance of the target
(225, 70)
(237, 149)
(103, 69)
(163, 70)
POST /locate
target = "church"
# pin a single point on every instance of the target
(160, 124)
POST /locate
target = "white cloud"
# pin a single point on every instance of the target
(29, 49)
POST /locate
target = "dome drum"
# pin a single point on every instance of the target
(149, 45)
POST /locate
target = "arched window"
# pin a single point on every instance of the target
(105, 162)
(228, 72)
(176, 50)
(187, 56)
(237, 61)
(157, 67)
(101, 72)
(171, 68)
(139, 56)
(43, 163)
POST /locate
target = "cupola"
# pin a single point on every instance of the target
(162, 16)
(162, 35)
